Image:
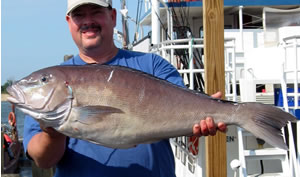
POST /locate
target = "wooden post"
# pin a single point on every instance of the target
(40, 172)
(213, 19)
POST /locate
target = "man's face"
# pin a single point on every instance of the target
(91, 26)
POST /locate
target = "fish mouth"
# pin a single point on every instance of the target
(16, 96)
(51, 118)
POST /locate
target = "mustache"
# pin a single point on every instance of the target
(92, 26)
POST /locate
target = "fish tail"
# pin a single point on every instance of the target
(265, 122)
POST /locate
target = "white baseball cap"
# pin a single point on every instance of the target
(73, 4)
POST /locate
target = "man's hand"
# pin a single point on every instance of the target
(208, 127)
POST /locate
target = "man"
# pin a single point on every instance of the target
(91, 23)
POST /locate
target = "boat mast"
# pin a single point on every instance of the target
(125, 26)
(155, 22)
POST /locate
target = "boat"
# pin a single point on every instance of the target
(11, 147)
(261, 50)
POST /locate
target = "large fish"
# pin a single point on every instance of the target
(119, 107)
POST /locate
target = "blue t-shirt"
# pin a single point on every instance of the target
(85, 159)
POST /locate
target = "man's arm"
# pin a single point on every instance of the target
(47, 148)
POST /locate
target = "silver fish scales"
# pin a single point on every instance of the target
(120, 107)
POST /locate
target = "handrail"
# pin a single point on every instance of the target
(167, 50)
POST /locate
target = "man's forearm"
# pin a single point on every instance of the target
(46, 150)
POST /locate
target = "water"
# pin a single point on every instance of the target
(5, 110)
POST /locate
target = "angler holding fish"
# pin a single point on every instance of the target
(83, 112)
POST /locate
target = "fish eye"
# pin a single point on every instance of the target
(44, 78)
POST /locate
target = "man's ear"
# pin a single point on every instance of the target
(67, 18)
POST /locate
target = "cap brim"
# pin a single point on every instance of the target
(76, 5)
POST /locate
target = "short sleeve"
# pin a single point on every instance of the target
(31, 128)
(164, 70)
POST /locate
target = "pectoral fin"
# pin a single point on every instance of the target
(93, 114)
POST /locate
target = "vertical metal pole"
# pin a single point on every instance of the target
(234, 73)
(242, 169)
(155, 22)
(125, 27)
(295, 74)
(172, 38)
(191, 64)
(241, 26)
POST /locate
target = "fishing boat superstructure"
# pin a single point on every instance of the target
(256, 36)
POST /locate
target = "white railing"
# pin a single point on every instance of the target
(167, 49)
(291, 68)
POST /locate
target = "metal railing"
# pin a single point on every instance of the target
(290, 67)
(167, 49)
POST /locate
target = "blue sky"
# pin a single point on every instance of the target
(34, 35)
